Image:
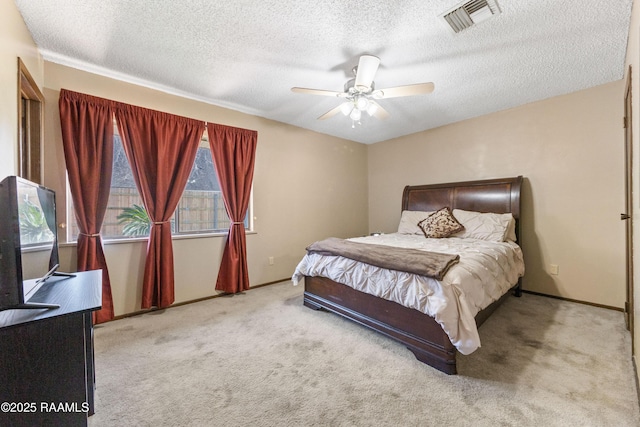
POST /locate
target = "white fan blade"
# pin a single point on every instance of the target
(330, 113)
(367, 68)
(408, 90)
(316, 91)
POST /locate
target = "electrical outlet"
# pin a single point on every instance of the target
(554, 269)
(271, 261)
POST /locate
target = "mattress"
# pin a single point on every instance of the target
(485, 272)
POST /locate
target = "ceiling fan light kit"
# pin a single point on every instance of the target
(354, 108)
(360, 93)
(346, 108)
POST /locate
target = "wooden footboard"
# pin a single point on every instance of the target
(419, 332)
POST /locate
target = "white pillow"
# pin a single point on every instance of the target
(511, 230)
(409, 222)
(485, 226)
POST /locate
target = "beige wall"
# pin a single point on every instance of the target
(307, 186)
(633, 60)
(569, 149)
(15, 41)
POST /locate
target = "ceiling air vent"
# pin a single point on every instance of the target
(469, 13)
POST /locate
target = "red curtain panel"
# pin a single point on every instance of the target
(87, 137)
(233, 152)
(161, 149)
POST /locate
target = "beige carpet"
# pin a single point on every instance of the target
(263, 359)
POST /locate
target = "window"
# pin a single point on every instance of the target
(200, 210)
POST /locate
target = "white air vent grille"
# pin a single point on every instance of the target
(469, 13)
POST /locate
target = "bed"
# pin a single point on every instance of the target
(428, 339)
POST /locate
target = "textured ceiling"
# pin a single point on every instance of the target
(247, 54)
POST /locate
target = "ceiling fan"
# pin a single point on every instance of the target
(360, 94)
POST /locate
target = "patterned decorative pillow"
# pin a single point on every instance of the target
(440, 224)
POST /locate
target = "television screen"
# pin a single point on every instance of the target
(37, 219)
(28, 238)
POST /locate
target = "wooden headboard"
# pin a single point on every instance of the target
(489, 195)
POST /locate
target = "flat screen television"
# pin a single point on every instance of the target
(28, 241)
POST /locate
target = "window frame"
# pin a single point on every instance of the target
(30, 126)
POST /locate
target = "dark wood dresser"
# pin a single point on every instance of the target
(47, 375)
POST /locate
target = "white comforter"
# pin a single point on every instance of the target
(486, 271)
